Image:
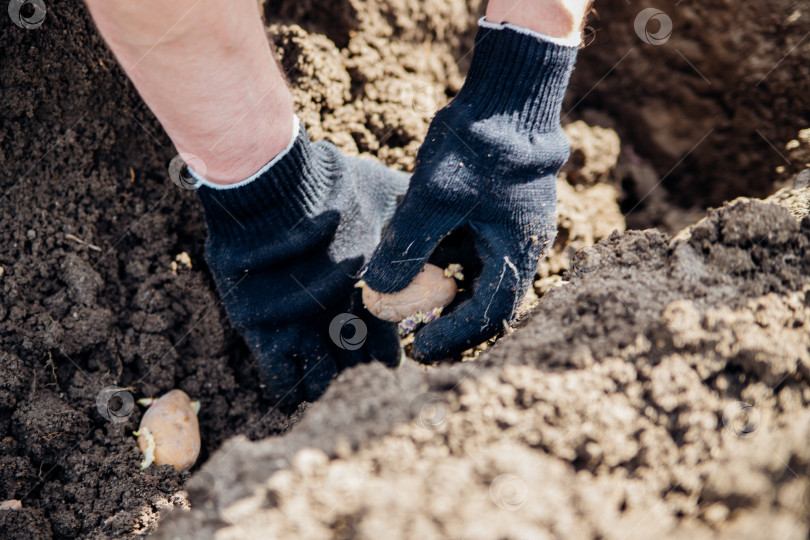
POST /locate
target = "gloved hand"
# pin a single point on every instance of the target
(285, 248)
(490, 161)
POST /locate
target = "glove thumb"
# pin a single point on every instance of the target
(406, 245)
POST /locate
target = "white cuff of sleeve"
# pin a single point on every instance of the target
(202, 181)
(564, 42)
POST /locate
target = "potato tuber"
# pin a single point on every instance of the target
(11, 504)
(169, 433)
(420, 302)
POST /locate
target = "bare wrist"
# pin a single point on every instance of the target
(556, 18)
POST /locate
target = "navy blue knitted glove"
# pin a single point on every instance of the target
(285, 249)
(489, 161)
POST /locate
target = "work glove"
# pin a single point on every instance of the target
(489, 162)
(285, 248)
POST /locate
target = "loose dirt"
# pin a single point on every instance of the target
(713, 103)
(662, 393)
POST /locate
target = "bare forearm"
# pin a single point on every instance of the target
(557, 18)
(205, 69)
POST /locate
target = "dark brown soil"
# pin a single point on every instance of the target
(714, 106)
(91, 226)
(93, 292)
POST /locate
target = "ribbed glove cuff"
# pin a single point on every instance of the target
(291, 189)
(517, 75)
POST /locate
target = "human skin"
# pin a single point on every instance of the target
(205, 69)
(556, 18)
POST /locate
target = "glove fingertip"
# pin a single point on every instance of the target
(437, 341)
(406, 245)
(471, 323)
(387, 276)
(383, 343)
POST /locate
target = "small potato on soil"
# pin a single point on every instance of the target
(11, 504)
(431, 288)
(169, 433)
